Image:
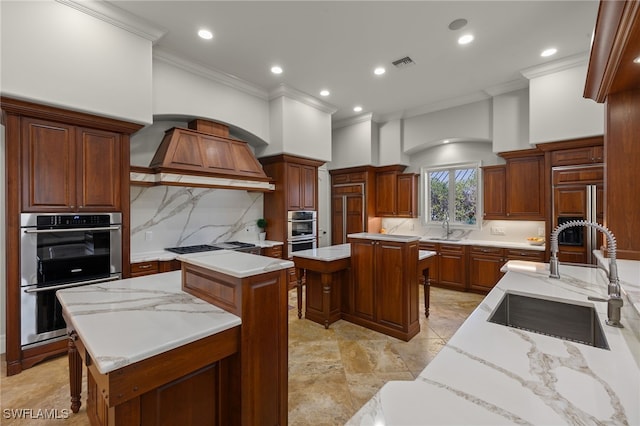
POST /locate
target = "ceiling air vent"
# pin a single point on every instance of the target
(403, 62)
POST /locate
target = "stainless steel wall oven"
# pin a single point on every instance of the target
(61, 251)
(301, 231)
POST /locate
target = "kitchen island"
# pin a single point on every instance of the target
(154, 351)
(494, 374)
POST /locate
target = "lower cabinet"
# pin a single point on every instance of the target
(384, 291)
(151, 267)
(474, 268)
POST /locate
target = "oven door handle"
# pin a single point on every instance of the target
(74, 284)
(48, 231)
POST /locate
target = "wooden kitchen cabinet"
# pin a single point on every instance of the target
(384, 291)
(522, 254)
(353, 202)
(578, 156)
(453, 266)
(484, 267)
(68, 168)
(273, 251)
(140, 269)
(396, 193)
(494, 182)
(302, 183)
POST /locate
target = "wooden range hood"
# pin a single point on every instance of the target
(204, 156)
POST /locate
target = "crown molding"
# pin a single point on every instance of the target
(352, 120)
(289, 92)
(115, 16)
(556, 66)
(209, 73)
(507, 87)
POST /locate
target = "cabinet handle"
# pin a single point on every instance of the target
(144, 266)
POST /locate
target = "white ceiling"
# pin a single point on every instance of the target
(337, 44)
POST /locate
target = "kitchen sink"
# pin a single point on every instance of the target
(567, 321)
(443, 239)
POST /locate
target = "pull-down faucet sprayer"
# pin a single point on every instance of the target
(615, 299)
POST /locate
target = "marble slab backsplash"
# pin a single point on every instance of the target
(514, 230)
(179, 216)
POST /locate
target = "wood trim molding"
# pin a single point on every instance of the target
(571, 143)
(612, 50)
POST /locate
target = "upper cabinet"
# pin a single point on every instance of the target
(67, 168)
(578, 156)
(302, 183)
(396, 192)
(515, 190)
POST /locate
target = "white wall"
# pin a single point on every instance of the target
(467, 122)
(54, 54)
(558, 110)
(298, 129)
(177, 91)
(3, 256)
(452, 153)
(511, 121)
(352, 145)
(390, 144)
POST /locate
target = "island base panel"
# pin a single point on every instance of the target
(322, 302)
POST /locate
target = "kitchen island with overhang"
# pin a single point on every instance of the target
(489, 373)
(154, 351)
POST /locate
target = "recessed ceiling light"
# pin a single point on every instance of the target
(446, 141)
(324, 93)
(457, 24)
(357, 108)
(465, 39)
(276, 69)
(205, 34)
(637, 60)
(379, 71)
(548, 52)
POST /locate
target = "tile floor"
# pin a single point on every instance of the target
(332, 373)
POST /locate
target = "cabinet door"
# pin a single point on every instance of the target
(294, 181)
(364, 277)
(484, 267)
(386, 194)
(453, 267)
(48, 166)
(525, 188)
(569, 201)
(494, 192)
(354, 213)
(406, 197)
(576, 156)
(99, 170)
(338, 234)
(390, 288)
(308, 185)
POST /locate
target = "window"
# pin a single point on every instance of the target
(452, 192)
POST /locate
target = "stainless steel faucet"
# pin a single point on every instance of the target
(614, 301)
(445, 225)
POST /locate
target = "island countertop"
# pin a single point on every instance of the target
(493, 374)
(126, 321)
(236, 264)
(385, 237)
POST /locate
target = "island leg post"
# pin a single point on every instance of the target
(427, 290)
(75, 373)
(326, 279)
(299, 276)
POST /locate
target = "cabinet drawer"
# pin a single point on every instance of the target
(452, 248)
(275, 251)
(488, 251)
(429, 246)
(514, 254)
(144, 268)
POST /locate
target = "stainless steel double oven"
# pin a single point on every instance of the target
(62, 251)
(301, 231)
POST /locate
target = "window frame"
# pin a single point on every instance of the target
(425, 194)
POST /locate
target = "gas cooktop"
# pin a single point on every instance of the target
(228, 245)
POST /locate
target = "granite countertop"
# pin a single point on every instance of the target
(493, 374)
(235, 263)
(385, 237)
(326, 254)
(163, 255)
(123, 322)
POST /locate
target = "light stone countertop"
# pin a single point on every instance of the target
(487, 243)
(385, 237)
(162, 255)
(423, 254)
(492, 374)
(123, 322)
(235, 263)
(325, 254)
